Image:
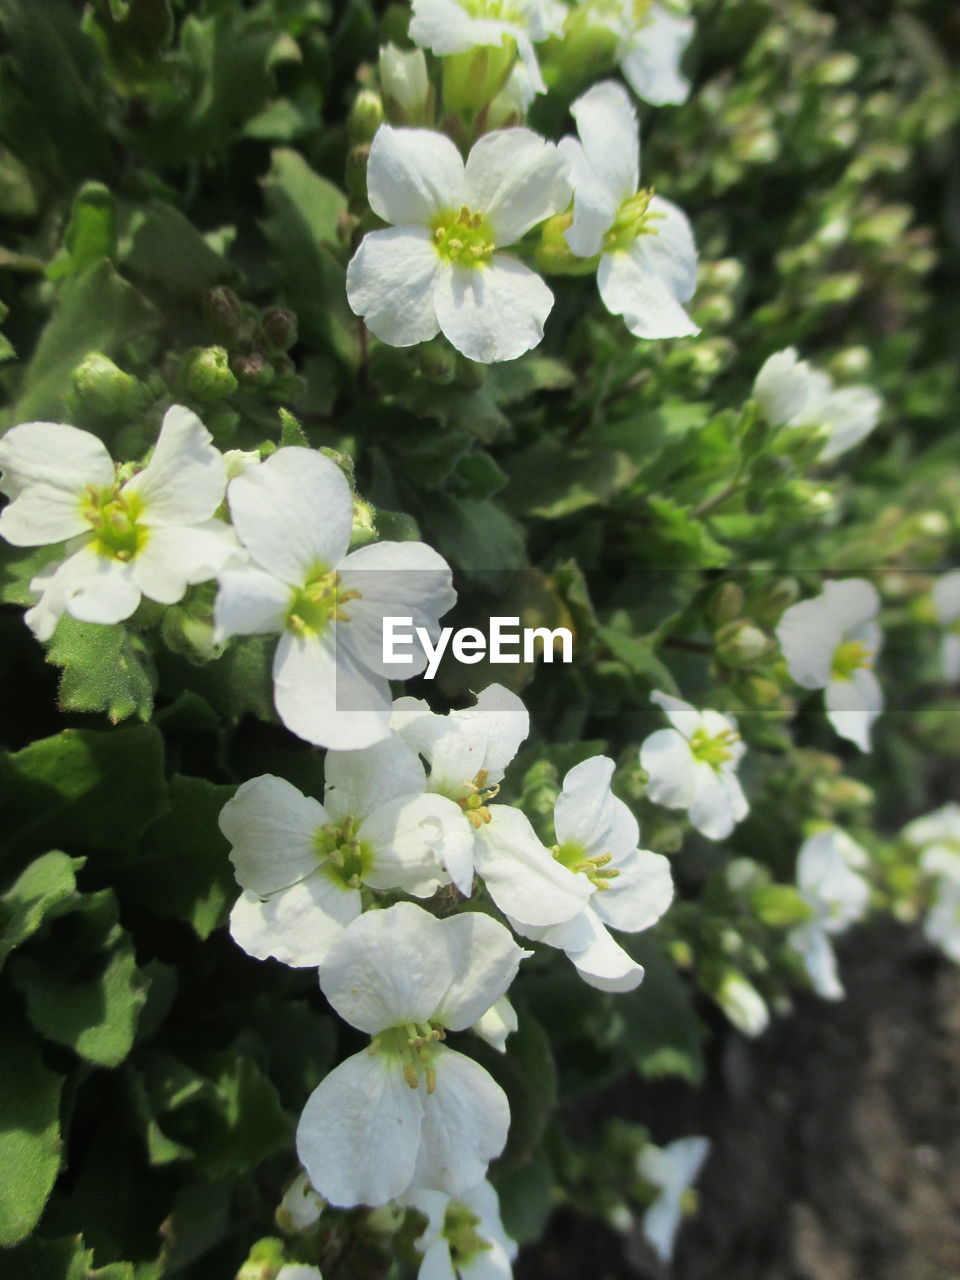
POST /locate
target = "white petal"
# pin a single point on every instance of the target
(250, 602)
(719, 803)
(850, 414)
(782, 386)
(492, 1263)
(459, 745)
(607, 125)
(819, 960)
(324, 697)
(49, 586)
(851, 602)
(651, 59)
(808, 637)
(599, 960)
(671, 252)
(640, 895)
(523, 878)
(389, 968)
(660, 1223)
(184, 481)
(665, 755)
(853, 705)
(412, 175)
(393, 579)
(946, 598)
(633, 287)
(296, 926)
(436, 1264)
(484, 960)
(359, 1132)
(589, 814)
(497, 1024)
(357, 782)
(594, 208)
(950, 657)
(445, 27)
(47, 467)
(485, 1203)
(941, 825)
(493, 312)
(293, 513)
(172, 559)
(465, 1123)
(98, 588)
(408, 837)
(272, 828)
(942, 924)
(517, 179)
(391, 281)
(684, 717)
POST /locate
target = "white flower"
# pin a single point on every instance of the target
(406, 85)
(455, 26)
(937, 835)
(464, 1238)
(648, 261)
(408, 1111)
(302, 864)
(294, 515)
(831, 643)
(674, 1169)
(651, 40)
(828, 877)
(151, 535)
(468, 752)
(439, 268)
(693, 766)
(946, 602)
(791, 393)
(631, 888)
(497, 1024)
(301, 1207)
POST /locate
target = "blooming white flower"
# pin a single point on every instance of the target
(455, 26)
(831, 643)
(408, 1111)
(631, 888)
(648, 261)
(946, 602)
(301, 1207)
(937, 835)
(674, 1169)
(152, 534)
(651, 40)
(439, 267)
(789, 392)
(829, 878)
(294, 515)
(468, 752)
(693, 766)
(464, 1238)
(302, 864)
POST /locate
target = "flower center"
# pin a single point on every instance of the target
(474, 795)
(498, 10)
(849, 657)
(633, 219)
(464, 238)
(412, 1046)
(716, 750)
(113, 517)
(460, 1232)
(320, 600)
(596, 868)
(346, 860)
(641, 11)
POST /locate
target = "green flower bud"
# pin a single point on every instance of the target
(778, 905)
(366, 116)
(852, 362)
(437, 361)
(470, 374)
(253, 369)
(776, 598)
(837, 69)
(279, 328)
(741, 644)
(355, 175)
(223, 311)
(726, 603)
(264, 1260)
(205, 374)
(760, 693)
(364, 528)
(386, 1220)
(105, 389)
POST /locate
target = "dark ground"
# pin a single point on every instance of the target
(836, 1141)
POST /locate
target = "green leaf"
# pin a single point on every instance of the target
(157, 244)
(90, 234)
(94, 311)
(45, 888)
(291, 432)
(527, 1074)
(679, 538)
(473, 535)
(303, 211)
(551, 480)
(106, 669)
(29, 1129)
(661, 1033)
(236, 684)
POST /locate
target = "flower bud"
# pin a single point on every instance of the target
(253, 369)
(553, 256)
(726, 603)
(205, 374)
(741, 644)
(588, 46)
(355, 175)
(837, 69)
(778, 905)
(364, 527)
(105, 389)
(366, 116)
(279, 328)
(437, 361)
(264, 1260)
(470, 373)
(741, 1002)
(223, 311)
(406, 86)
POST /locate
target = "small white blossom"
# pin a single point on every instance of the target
(937, 835)
(464, 1238)
(831, 642)
(693, 766)
(631, 888)
(648, 260)
(455, 26)
(468, 752)
(408, 1111)
(439, 267)
(674, 1169)
(302, 864)
(829, 878)
(946, 602)
(651, 40)
(789, 392)
(294, 515)
(150, 535)
(301, 1207)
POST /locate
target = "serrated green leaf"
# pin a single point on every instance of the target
(106, 669)
(45, 888)
(29, 1128)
